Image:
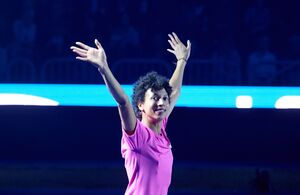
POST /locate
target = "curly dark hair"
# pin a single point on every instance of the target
(151, 80)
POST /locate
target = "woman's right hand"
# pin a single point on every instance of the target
(96, 56)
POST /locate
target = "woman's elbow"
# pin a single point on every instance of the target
(124, 101)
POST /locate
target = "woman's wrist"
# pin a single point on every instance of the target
(102, 67)
(102, 70)
(182, 59)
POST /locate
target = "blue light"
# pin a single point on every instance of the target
(191, 96)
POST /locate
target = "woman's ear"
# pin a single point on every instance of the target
(141, 106)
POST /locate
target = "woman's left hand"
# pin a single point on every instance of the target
(179, 49)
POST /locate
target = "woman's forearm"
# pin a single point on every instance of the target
(114, 86)
(177, 77)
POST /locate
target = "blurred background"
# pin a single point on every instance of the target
(251, 42)
(76, 150)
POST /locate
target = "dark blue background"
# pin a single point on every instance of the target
(224, 136)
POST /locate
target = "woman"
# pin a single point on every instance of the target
(145, 145)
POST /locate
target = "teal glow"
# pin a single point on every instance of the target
(191, 96)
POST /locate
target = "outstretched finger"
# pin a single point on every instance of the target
(81, 58)
(98, 44)
(78, 49)
(84, 46)
(172, 44)
(189, 45)
(176, 37)
(172, 39)
(171, 51)
(79, 52)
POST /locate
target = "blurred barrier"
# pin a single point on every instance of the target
(22, 70)
(68, 70)
(198, 71)
(127, 71)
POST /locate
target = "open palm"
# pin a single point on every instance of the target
(179, 49)
(96, 56)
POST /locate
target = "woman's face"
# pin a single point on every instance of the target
(155, 105)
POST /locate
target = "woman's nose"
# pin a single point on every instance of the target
(160, 101)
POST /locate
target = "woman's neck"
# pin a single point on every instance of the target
(154, 126)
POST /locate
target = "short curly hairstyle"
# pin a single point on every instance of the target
(151, 80)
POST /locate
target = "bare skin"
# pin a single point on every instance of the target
(156, 106)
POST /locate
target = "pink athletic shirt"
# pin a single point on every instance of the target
(148, 160)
